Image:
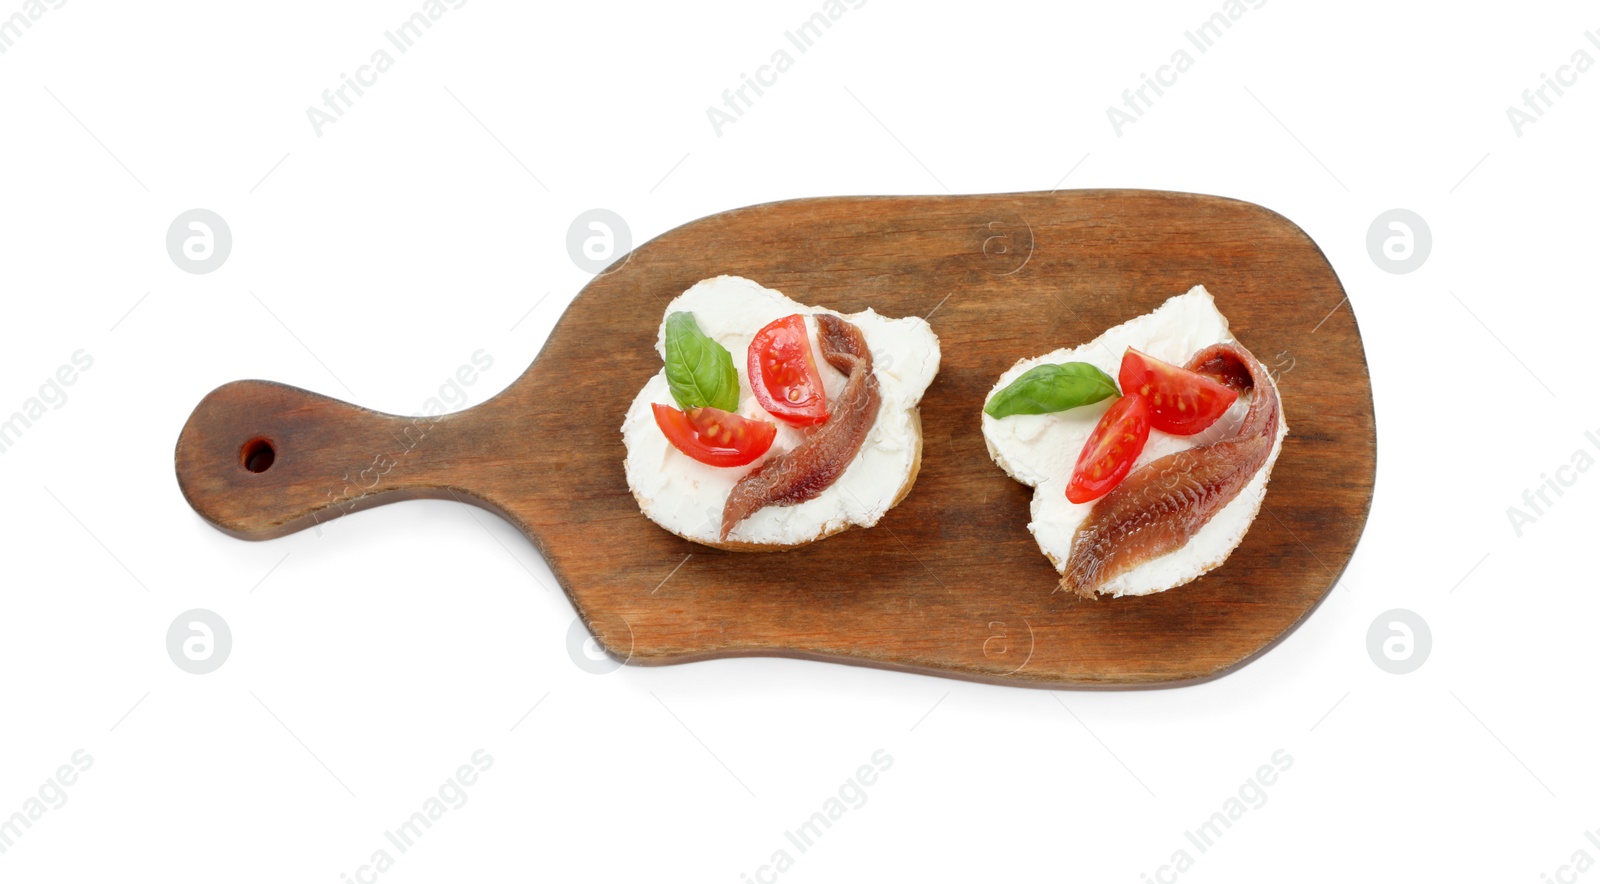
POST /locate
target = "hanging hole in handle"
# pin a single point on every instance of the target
(257, 455)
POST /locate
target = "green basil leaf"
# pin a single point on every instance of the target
(1049, 388)
(699, 370)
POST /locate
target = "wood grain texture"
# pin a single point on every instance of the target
(950, 582)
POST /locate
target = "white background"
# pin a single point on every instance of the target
(371, 261)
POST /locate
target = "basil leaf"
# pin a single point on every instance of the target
(699, 370)
(1048, 388)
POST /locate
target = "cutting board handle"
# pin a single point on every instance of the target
(259, 459)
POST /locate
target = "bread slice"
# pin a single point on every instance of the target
(687, 497)
(1041, 450)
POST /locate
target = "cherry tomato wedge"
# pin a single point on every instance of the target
(715, 437)
(1181, 402)
(783, 373)
(1111, 450)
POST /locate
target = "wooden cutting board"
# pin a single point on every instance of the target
(950, 582)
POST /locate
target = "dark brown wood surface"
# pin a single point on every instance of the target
(950, 582)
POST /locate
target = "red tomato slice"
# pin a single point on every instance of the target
(783, 373)
(1181, 402)
(715, 437)
(1111, 450)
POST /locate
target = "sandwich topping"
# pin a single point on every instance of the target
(807, 470)
(1160, 506)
